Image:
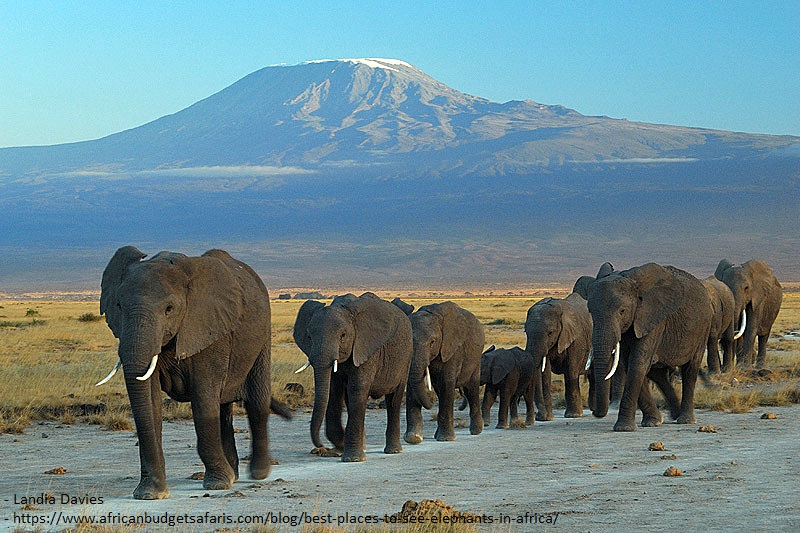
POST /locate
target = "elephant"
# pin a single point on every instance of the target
(359, 346)
(448, 343)
(758, 294)
(722, 332)
(653, 318)
(507, 372)
(583, 283)
(197, 328)
(559, 333)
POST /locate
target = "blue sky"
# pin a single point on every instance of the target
(73, 71)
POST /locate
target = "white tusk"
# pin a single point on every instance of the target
(616, 362)
(110, 374)
(744, 323)
(544, 362)
(589, 360)
(308, 364)
(428, 379)
(335, 365)
(150, 369)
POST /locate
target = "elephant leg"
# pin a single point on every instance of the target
(444, 419)
(728, 361)
(257, 405)
(207, 423)
(712, 356)
(762, 350)
(488, 402)
(651, 416)
(662, 377)
(334, 430)
(530, 412)
(505, 403)
(689, 373)
(618, 386)
(357, 396)
(413, 419)
(228, 438)
(153, 481)
(634, 381)
(546, 406)
(473, 392)
(592, 392)
(572, 391)
(394, 403)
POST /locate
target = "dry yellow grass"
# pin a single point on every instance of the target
(50, 360)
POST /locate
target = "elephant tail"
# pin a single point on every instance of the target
(280, 409)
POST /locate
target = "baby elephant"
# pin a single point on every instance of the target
(508, 372)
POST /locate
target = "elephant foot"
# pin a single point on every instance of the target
(530, 419)
(354, 457)
(260, 468)
(652, 421)
(412, 437)
(217, 481)
(572, 413)
(326, 452)
(623, 426)
(395, 448)
(476, 427)
(444, 436)
(501, 425)
(544, 417)
(150, 490)
(686, 419)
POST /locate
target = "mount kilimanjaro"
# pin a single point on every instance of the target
(367, 172)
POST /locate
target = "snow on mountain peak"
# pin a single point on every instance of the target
(372, 62)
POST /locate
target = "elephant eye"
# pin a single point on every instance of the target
(168, 309)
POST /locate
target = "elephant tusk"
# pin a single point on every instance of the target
(335, 365)
(150, 369)
(308, 364)
(110, 374)
(616, 362)
(589, 360)
(428, 379)
(544, 362)
(744, 323)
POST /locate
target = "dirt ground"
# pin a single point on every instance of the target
(568, 474)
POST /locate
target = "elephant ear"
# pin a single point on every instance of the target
(376, 323)
(407, 308)
(502, 364)
(112, 277)
(723, 265)
(569, 330)
(214, 304)
(661, 293)
(304, 315)
(454, 329)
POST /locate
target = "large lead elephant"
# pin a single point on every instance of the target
(757, 294)
(359, 346)
(448, 343)
(197, 328)
(652, 318)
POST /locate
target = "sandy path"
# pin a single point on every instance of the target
(747, 476)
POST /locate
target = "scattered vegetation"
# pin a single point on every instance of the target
(51, 369)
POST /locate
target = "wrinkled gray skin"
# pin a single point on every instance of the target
(661, 316)
(559, 330)
(507, 373)
(208, 319)
(371, 340)
(722, 305)
(449, 341)
(581, 287)
(756, 291)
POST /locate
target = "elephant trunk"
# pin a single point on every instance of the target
(537, 347)
(419, 379)
(605, 360)
(749, 336)
(136, 350)
(322, 388)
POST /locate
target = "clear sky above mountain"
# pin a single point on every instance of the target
(82, 70)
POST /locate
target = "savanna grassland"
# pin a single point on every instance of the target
(53, 353)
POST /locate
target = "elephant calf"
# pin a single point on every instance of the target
(509, 374)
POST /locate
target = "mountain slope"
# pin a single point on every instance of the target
(370, 171)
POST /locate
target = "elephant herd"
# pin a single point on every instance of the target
(198, 328)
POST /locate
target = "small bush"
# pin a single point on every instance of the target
(89, 317)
